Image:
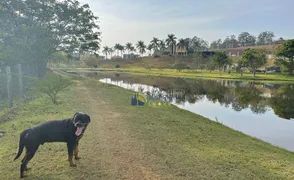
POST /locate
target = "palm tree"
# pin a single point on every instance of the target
(187, 44)
(141, 46)
(106, 51)
(171, 41)
(133, 49)
(150, 47)
(111, 51)
(121, 49)
(117, 48)
(129, 47)
(162, 46)
(155, 44)
(181, 44)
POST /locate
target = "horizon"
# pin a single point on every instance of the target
(129, 21)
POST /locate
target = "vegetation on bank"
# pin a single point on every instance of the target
(164, 141)
(253, 60)
(275, 77)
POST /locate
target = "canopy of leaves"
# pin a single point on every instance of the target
(265, 38)
(285, 55)
(33, 30)
(220, 59)
(245, 39)
(253, 59)
(141, 47)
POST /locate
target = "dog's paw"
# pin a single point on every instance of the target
(27, 169)
(73, 165)
(23, 176)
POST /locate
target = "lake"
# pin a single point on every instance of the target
(261, 110)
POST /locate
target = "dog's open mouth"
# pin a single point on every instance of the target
(79, 130)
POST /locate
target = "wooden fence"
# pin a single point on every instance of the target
(16, 80)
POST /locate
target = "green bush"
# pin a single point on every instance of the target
(51, 85)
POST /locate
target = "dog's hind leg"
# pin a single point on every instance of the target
(70, 149)
(30, 152)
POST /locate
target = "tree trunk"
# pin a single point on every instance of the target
(291, 67)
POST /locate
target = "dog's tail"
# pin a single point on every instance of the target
(21, 143)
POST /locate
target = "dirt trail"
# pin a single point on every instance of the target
(110, 145)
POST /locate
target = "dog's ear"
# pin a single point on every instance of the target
(74, 117)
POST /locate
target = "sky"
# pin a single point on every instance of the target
(123, 21)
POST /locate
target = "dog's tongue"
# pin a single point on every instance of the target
(79, 131)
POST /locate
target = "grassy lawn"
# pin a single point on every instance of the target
(199, 74)
(151, 142)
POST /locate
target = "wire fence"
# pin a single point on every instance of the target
(16, 81)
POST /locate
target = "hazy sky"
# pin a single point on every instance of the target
(123, 21)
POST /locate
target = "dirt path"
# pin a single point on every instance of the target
(116, 152)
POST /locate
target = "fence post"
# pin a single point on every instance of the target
(8, 75)
(19, 68)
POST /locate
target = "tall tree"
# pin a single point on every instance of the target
(129, 47)
(133, 49)
(162, 46)
(155, 44)
(253, 59)
(149, 48)
(141, 47)
(218, 44)
(285, 55)
(171, 42)
(230, 42)
(181, 44)
(265, 38)
(220, 59)
(111, 51)
(106, 51)
(121, 49)
(117, 48)
(245, 39)
(34, 30)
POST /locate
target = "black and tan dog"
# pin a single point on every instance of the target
(67, 130)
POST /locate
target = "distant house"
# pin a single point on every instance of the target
(116, 57)
(180, 51)
(130, 56)
(235, 52)
(208, 53)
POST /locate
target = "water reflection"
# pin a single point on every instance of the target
(261, 110)
(258, 97)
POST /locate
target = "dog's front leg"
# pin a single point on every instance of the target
(76, 151)
(70, 149)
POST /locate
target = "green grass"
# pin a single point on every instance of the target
(200, 74)
(151, 142)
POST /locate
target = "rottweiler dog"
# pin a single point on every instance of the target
(67, 130)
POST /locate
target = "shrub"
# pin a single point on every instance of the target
(117, 66)
(51, 85)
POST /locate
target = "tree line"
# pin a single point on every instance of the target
(245, 39)
(165, 46)
(254, 58)
(190, 45)
(34, 30)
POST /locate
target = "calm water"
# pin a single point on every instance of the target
(261, 110)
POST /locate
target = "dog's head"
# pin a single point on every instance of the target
(81, 121)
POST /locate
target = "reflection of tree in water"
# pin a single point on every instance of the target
(282, 102)
(237, 94)
(249, 96)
